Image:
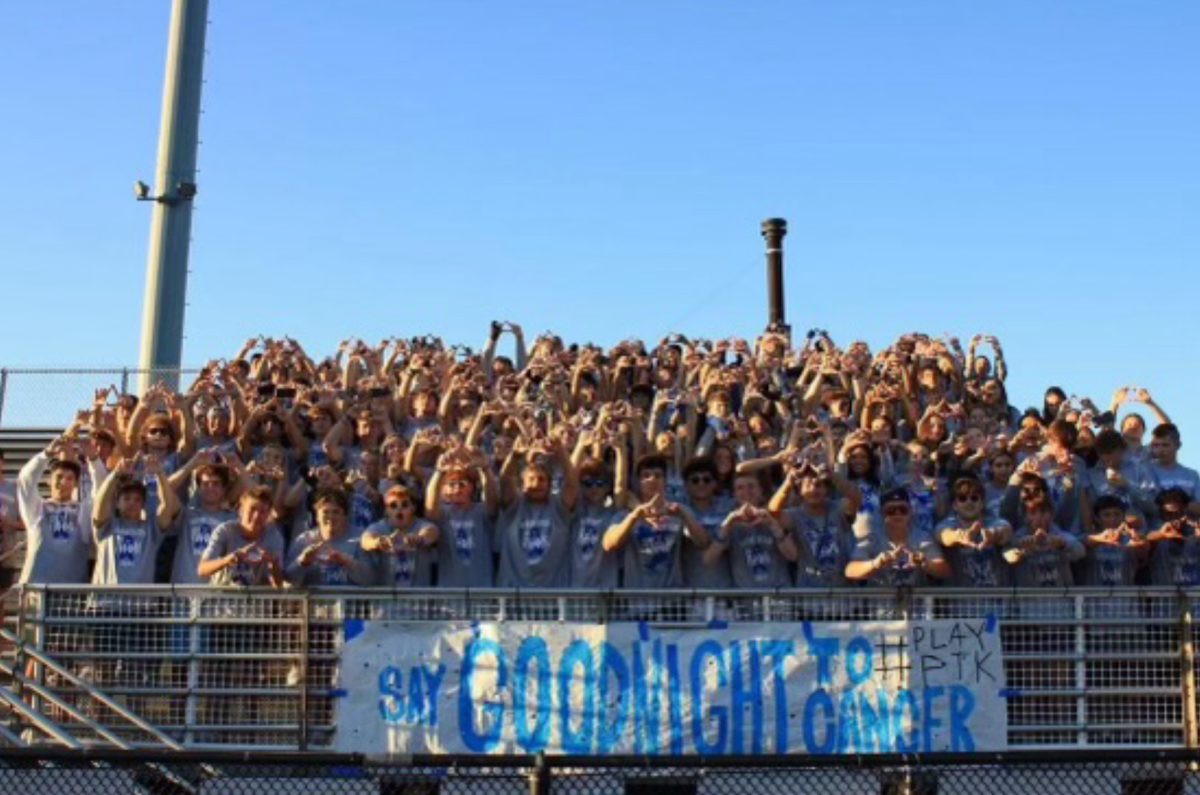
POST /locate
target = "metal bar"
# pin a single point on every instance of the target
(48, 662)
(66, 707)
(3, 391)
(11, 738)
(303, 683)
(39, 720)
(1080, 671)
(1187, 662)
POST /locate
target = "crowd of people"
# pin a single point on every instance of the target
(694, 463)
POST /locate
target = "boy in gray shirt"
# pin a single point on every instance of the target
(58, 530)
(328, 554)
(126, 539)
(249, 550)
(759, 546)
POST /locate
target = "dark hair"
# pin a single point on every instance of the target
(650, 461)
(700, 465)
(132, 486)
(215, 470)
(257, 494)
(967, 481)
(1173, 494)
(70, 466)
(1049, 414)
(1106, 502)
(593, 468)
(336, 496)
(1109, 441)
(1064, 433)
(1167, 430)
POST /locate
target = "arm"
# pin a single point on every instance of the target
(102, 512)
(29, 500)
(617, 535)
(433, 497)
(168, 501)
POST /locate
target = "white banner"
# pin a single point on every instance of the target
(815, 688)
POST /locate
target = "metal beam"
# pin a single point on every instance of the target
(175, 187)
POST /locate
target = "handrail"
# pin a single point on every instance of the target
(36, 653)
(52, 697)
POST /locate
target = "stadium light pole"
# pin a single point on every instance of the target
(175, 188)
(773, 231)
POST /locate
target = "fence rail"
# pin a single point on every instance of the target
(1086, 773)
(215, 668)
(49, 398)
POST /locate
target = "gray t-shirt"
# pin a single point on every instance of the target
(976, 568)
(465, 549)
(58, 535)
(195, 528)
(322, 570)
(696, 573)
(1176, 563)
(227, 539)
(824, 544)
(591, 566)
(534, 542)
(1110, 566)
(1138, 493)
(1046, 567)
(125, 552)
(653, 554)
(1176, 477)
(904, 572)
(402, 568)
(754, 558)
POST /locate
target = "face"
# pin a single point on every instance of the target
(400, 510)
(595, 488)
(217, 423)
(974, 438)
(1171, 510)
(1133, 429)
(365, 426)
(331, 518)
(130, 505)
(936, 427)
(1053, 401)
(458, 490)
(895, 519)
(991, 393)
(723, 458)
(651, 483)
(814, 490)
(859, 461)
(425, 404)
(968, 503)
(271, 457)
(212, 489)
(253, 516)
(157, 438)
(1113, 459)
(62, 484)
(535, 483)
(371, 465)
(1002, 468)
(1110, 518)
(748, 491)
(320, 424)
(1163, 449)
(718, 406)
(701, 485)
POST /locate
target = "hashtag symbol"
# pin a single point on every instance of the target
(893, 656)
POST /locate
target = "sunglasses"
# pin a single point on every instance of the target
(896, 510)
(157, 432)
(700, 479)
(592, 482)
(397, 504)
(1030, 493)
(972, 497)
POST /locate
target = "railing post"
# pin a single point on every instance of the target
(3, 390)
(539, 777)
(1080, 671)
(1187, 662)
(192, 706)
(306, 609)
(124, 380)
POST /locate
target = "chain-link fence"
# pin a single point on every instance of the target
(211, 667)
(50, 398)
(34, 773)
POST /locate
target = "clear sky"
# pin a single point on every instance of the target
(1025, 168)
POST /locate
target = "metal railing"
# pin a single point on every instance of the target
(212, 667)
(42, 398)
(1021, 773)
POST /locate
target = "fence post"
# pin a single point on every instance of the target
(124, 380)
(1081, 736)
(539, 776)
(306, 607)
(1187, 662)
(3, 390)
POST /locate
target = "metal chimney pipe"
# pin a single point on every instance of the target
(773, 231)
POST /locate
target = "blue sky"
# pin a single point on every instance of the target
(1028, 169)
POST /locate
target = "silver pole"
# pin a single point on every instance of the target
(175, 186)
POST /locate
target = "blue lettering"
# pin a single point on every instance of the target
(609, 734)
(644, 739)
(391, 694)
(579, 653)
(819, 700)
(859, 649)
(824, 649)
(931, 723)
(494, 711)
(433, 686)
(962, 704)
(850, 736)
(707, 650)
(778, 651)
(536, 739)
(674, 699)
(748, 694)
(416, 698)
(906, 743)
(876, 724)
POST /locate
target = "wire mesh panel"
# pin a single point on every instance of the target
(214, 667)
